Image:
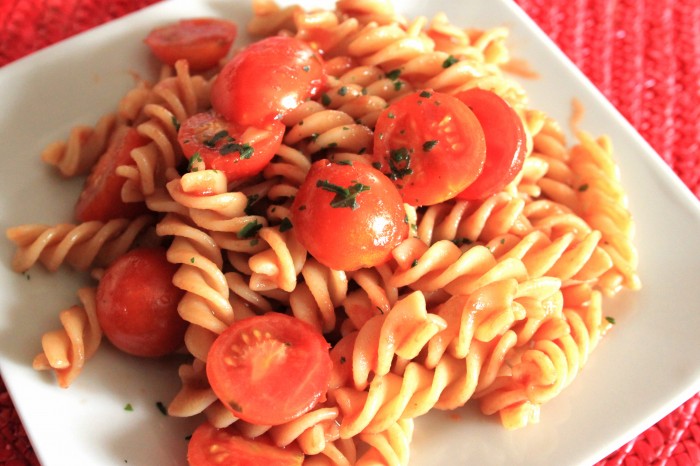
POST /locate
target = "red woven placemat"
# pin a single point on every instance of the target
(644, 55)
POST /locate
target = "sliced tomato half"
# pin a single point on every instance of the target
(269, 369)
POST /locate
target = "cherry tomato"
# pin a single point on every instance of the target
(505, 142)
(431, 145)
(348, 216)
(237, 151)
(269, 369)
(101, 197)
(203, 42)
(137, 304)
(266, 80)
(210, 446)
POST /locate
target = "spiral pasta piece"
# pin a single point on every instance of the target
(66, 350)
(81, 246)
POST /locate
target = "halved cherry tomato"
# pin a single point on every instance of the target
(431, 145)
(137, 304)
(505, 142)
(210, 446)
(348, 216)
(266, 80)
(269, 369)
(203, 42)
(101, 197)
(237, 151)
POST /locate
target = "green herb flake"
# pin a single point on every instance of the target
(400, 163)
(343, 360)
(377, 165)
(249, 230)
(428, 145)
(344, 197)
(344, 162)
(611, 320)
(583, 187)
(220, 135)
(414, 263)
(342, 91)
(192, 260)
(196, 158)
(364, 91)
(449, 61)
(391, 115)
(394, 74)
(161, 407)
(128, 407)
(325, 99)
(314, 136)
(175, 123)
(306, 68)
(425, 94)
(302, 207)
(362, 151)
(245, 150)
(254, 242)
(285, 225)
(398, 85)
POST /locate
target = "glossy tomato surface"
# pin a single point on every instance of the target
(269, 369)
(266, 80)
(348, 216)
(203, 42)
(210, 446)
(431, 145)
(505, 142)
(101, 197)
(228, 147)
(137, 304)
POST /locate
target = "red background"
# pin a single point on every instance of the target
(644, 55)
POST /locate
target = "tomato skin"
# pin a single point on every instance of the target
(210, 446)
(203, 42)
(269, 369)
(267, 79)
(137, 304)
(101, 197)
(198, 135)
(345, 238)
(431, 145)
(505, 142)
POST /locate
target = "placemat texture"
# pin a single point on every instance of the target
(644, 55)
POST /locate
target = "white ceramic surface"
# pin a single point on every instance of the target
(646, 366)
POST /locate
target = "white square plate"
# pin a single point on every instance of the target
(648, 364)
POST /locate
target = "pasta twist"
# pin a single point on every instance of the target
(66, 350)
(173, 100)
(77, 154)
(81, 246)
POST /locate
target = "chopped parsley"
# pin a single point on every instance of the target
(325, 99)
(449, 61)
(175, 123)
(196, 158)
(428, 145)
(128, 407)
(583, 187)
(425, 94)
(245, 150)
(344, 197)
(249, 230)
(400, 163)
(342, 91)
(161, 407)
(394, 74)
(285, 225)
(611, 320)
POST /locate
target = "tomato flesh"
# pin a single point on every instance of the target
(210, 446)
(266, 80)
(101, 198)
(203, 42)
(431, 145)
(505, 142)
(237, 151)
(137, 304)
(348, 216)
(269, 369)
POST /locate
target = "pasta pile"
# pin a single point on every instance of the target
(498, 300)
